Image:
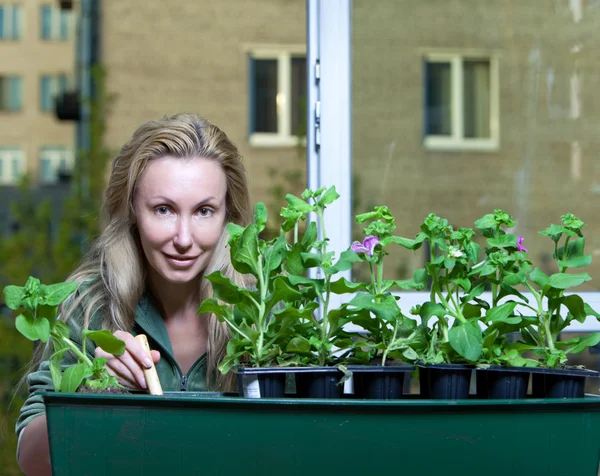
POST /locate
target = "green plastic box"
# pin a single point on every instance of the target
(215, 434)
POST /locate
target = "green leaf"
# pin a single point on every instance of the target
(463, 283)
(57, 293)
(576, 307)
(245, 256)
(503, 241)
(274, 255)
(224, 288)
(310, 260)
(407, 243)
(283, 292)
(61, 329)
(347, 259)
(212, 306)
(539, 278)
(310, 235)
(386, 308)
(486, 221)
(584, 342)
(467, 340)
(574, 250)
(72, 378)
(343, 286)
(554, 232)
(298, 203)
(578, 262)
(500, 313)
(329, 197)
(107, 341)
(293, 261)
(55, 369)
(429, 309)
(589, 311)
(12, 297)
(260, 216)
(565, 281)
(33, 329)
(298, 345)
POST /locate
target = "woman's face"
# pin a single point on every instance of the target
(180, 210)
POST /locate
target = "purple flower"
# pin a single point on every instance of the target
(520, 246)
(367, 246)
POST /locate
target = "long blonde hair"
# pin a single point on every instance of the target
(115, 265)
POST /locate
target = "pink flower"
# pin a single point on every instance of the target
(520, 246)
(367, 246)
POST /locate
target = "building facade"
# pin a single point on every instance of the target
(36, 63)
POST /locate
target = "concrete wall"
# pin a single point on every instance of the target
(546, 164)
(30, 129)
(192, 57)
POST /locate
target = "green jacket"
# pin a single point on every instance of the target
(147, 321)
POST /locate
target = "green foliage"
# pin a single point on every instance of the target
(37, 306)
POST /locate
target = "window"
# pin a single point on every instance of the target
(55, 161)
(12, 165)
(55, 23)
(277, 97)
(10, 93)
(50, 87)
(10, 22)
(461, 102)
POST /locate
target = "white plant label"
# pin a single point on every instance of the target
(251, 387)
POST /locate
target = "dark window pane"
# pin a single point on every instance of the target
(299, 97)
(476, 93)
(264, 92)
(438, 95)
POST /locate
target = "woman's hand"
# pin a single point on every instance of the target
(128, 368)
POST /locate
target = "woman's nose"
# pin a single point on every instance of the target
(183, 235)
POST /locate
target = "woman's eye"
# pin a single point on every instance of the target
(205, 212)
(162, 210)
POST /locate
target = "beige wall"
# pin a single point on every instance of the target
(31, 57)
(534, 175)
(191, 57)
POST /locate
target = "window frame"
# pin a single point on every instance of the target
(61, 23)
(58, 84)
(12, 22)
(56, 153)
(7, 155)
(11, 80)
(457, 141)
(283, 54)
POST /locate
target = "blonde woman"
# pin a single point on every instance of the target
(172, 189)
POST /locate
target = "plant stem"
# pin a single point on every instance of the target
(380, 275)
(543, 319)
(296, 232)
(387, 349)
(261, 310)
(81, 355)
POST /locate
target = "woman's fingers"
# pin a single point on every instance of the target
(128, 368)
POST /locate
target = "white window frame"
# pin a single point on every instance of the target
(457, 141)
(7, 156)
(55, 23)
(9, 27)
(55, 154)
(283, 54)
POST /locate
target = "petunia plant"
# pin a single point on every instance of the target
(389, 332)
(38, 321)
(552, 309)
(450, 318)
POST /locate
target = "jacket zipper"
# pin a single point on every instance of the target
(183, 386)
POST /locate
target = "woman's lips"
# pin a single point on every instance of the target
(181, 261)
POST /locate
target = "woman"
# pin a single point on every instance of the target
(172, 189)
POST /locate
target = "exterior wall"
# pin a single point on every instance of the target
(31, 57)
(549, 110)
(192, 57)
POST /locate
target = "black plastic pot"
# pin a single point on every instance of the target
(497, 382)
(445, 381)
(379, 383)
(318, 382)
(266, 382)
(559, 383)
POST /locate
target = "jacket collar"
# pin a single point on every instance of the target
(149, 319)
